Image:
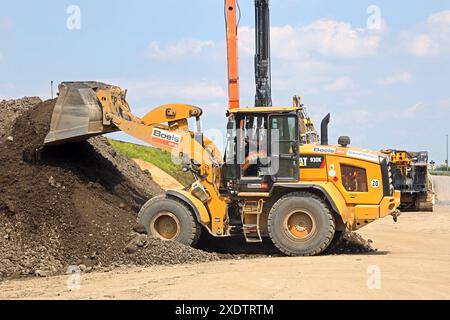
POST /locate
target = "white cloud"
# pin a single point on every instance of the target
(423, 45)
(445, 103)
(1, 58)
(316, 69)
(176, 49)
(170, 90)
(411, 111)
(434, 40)
(310, 91)
(325, 36)
(439, 19)
(344, 122)
(6, 24)
(340, 84)
(13, 91)
(214, 109)
(303, 54)
(7, 86)
(402, 77)
(360, 116)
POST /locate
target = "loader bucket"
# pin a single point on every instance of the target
(77, 114)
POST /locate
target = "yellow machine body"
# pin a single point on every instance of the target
(96, 108)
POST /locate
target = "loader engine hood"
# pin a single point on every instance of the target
(350, 152)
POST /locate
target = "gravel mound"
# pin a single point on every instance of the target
(71, 205)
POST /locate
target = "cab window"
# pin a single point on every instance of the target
(253, 145)
(284, 146)
(354, 179)
(286, 127)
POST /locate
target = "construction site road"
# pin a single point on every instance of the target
(412, 262)
(442, 189)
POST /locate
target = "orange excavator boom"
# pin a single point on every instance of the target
(232, 54)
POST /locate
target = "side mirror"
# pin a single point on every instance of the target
(344, 141)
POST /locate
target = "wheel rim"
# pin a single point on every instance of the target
(300, 225)
(165, 226)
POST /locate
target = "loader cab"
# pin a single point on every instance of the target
(262, 148)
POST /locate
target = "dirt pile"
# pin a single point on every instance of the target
(11, 110)
(73, 205)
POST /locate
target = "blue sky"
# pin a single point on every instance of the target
(386, 86)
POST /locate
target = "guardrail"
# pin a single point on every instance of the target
(440, 173)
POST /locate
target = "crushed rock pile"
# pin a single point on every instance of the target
(70, 205)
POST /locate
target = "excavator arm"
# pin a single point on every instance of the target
(232, 53)
(263, 97)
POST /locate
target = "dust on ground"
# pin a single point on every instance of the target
(412, 263)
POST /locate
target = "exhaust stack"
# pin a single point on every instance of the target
(324, 130)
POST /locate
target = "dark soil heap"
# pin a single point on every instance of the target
(11, 110)
(74, 204)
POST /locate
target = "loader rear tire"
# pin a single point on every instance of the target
(301, 224)
(170, 220)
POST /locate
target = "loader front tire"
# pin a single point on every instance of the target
(301, 224)
(169, 220)
(337, 240)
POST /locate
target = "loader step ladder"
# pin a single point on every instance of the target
(251, 214)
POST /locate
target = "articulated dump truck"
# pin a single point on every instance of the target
(412, 178)
(268, 183)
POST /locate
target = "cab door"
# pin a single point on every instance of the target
(252, 153)
(284, 147)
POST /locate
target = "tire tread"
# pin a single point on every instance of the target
(327, 210)
(195, 228)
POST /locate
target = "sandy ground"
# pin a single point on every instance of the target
(442, 189)
(164, 180)
(413, 262)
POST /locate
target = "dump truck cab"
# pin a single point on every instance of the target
(411, 177)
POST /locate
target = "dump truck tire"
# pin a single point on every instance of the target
(171, 220)
(301, 224)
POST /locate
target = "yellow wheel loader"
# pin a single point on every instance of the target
(267, 184)
(275, 179)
